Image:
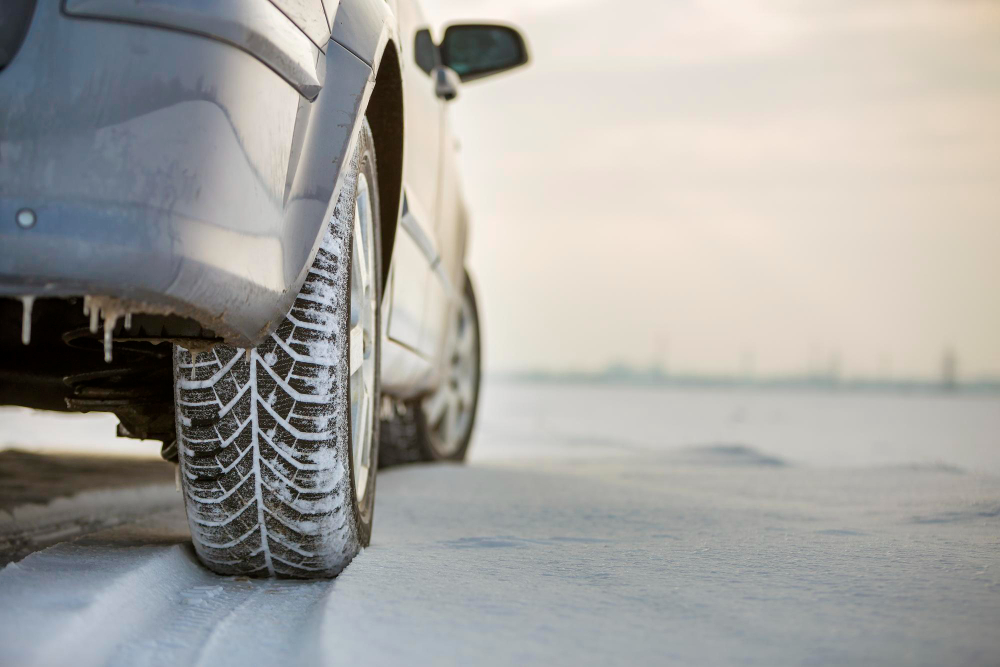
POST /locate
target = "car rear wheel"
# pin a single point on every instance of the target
(278, 445)
(439, 426)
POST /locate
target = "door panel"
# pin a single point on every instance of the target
(411, 268)
(436, 307)
(410, 274)
(451, 225)
(415, 250)
(450, 233)
(421, 118)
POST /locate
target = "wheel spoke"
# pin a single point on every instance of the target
(363, 432)
(464, 343)
(452, 415)
(368, 373)
(466, 389)
(357, 348)
(444, 427)
(359, 252)
(437, 404)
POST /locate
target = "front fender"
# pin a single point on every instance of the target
(169, 170)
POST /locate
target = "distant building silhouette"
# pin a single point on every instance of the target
(949, 370)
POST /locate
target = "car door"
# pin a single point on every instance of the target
(413, 288)
(450, 237)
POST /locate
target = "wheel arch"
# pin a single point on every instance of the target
(385, 116)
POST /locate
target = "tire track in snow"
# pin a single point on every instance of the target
(93, 599)
(278, 624)
(136, 595)
(31, 527)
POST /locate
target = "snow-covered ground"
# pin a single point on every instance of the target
(593, 526)
(814, 428)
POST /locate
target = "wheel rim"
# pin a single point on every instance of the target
(362, 338)
(449, 410)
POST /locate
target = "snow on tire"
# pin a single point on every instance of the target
(264, 437)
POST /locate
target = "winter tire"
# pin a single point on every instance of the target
(278, 444)
(439, 426)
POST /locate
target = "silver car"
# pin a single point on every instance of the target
(238, 225)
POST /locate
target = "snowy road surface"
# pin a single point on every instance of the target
(582, 550)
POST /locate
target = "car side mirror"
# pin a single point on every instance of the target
(445, 83)
(475, 51)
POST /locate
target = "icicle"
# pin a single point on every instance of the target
(26, 302)
(128, 321)
(92, 309)
(110, 320)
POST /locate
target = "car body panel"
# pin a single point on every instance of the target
(409, 283)
(177, 192)
(183, 156)
(258, 27)
(310, 16)
(451, 230)
(362, 27)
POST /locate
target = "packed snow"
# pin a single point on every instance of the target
(593, 525)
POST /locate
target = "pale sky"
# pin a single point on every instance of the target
(732, 179)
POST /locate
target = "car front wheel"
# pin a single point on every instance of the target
(278, 445)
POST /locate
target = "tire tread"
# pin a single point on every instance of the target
(263, 437)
